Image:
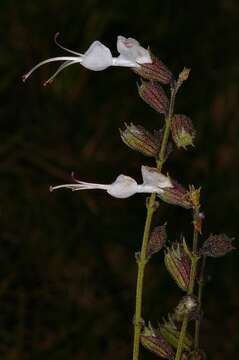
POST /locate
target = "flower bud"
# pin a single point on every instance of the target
(183, 132)
(187, 306)
(217, 245)
(157, 240)
(156, 71)
(194, 196)
(154, 342)
(154, 95)
(171, 333)
(183, 76)
(177, 195)
(178, 264)
(141, 140)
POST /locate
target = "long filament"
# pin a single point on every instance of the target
(63, 47)
(81, 185)
(59, 58)
(60, 68)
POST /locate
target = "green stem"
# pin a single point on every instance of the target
(142, 259)
(190, 288)
(200, 289)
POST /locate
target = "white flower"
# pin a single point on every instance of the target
(124, 186)
(98, 57)
(132, 50)
(152, 177)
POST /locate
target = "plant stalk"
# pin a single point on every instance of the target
(142, 259)
(200, 289)
(190, 288)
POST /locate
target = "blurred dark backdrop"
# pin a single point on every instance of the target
(67, 259)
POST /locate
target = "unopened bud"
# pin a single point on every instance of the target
(154, 95)
(177, 195)
(187, 306)
(154, 342)
(141, 140)
(184, 74)
(183, 132)
(217, 245)
(194, 196)
(178, 264)
(156, 71)
(169, 330)
(157, 240)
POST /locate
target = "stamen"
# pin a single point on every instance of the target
(73, 187)
(64, 48)
(60, 58)
(81, 185)
(62, 67)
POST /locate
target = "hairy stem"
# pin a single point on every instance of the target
(200, 289)
(142, 259)
(190, 288)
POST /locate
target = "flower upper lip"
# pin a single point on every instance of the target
(99, 57)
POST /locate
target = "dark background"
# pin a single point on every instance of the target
(67, 259)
